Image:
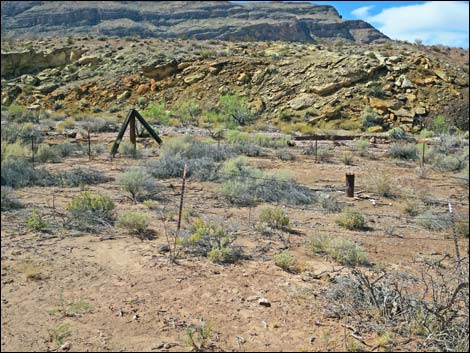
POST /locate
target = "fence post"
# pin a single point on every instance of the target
(181, 200)
(422, 156)
(89, 144)
(350, 184)
(32, 150)
(316, 150)
(454, 231)
(132, 131)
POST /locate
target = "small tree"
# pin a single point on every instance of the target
(236, 110)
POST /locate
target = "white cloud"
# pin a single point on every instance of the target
(362, 12)
(434, 22)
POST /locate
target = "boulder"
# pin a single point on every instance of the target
(123, 96)
(46, 88)
(89, 59)
(194, 78)
(159, 70)
(29, 79)
(301, 102)
(384, 104)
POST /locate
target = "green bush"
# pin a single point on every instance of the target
(403, 151)
(439, 125)
(137, 182)
(90, 209)
(135, 222)
(347, 157)
(213, 241)
(319, 244)
(362, 146)
(370, 118)
(47, 153)
(286, 261)
(236, 111)
(274, 217)
(36, 222)
(65, 149)
(351, 219)
(14, 151)
(348, 253)
(157, 113)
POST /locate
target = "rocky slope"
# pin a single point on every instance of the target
(303, 22)
(324, 86)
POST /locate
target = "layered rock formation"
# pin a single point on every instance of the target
(303, 22)
(327, 86)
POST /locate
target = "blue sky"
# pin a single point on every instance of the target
(433, 22)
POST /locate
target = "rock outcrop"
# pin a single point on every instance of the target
(301, 22)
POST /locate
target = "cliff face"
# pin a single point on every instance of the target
(302, 22)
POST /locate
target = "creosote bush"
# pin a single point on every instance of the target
(351, 219)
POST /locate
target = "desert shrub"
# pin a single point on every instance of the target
(318, 244)
(135, 222)
(362, 146)
(434, 221)
(397, 134)
(285, 155)
(286, 261)
(351, 219)
(375, 90)
(8, 199)
(439, 125)
(412, 207)
(448, 163)
(68, 123)
(422, 172)
(90, 209)
(462, 224)
(202, 159)
(236, 110)
(347, 157)
(370, 118)
(213, 241)
(189, 112)
(14, 151)
(80, 176)
(324, 153)
(381, 185)
(138, 182)
(329, 203)
(274, 217)
(157, 113)
(20, 173)
(65, 149)
(343, 251)
(347, 253)
(245, 185)
(36, 222)
(47, 153)
(126, 148)
(403, 151)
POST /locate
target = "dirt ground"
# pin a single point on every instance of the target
(115, 292)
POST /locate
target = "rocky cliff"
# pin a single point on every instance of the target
(290, 85)
(300, 22)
